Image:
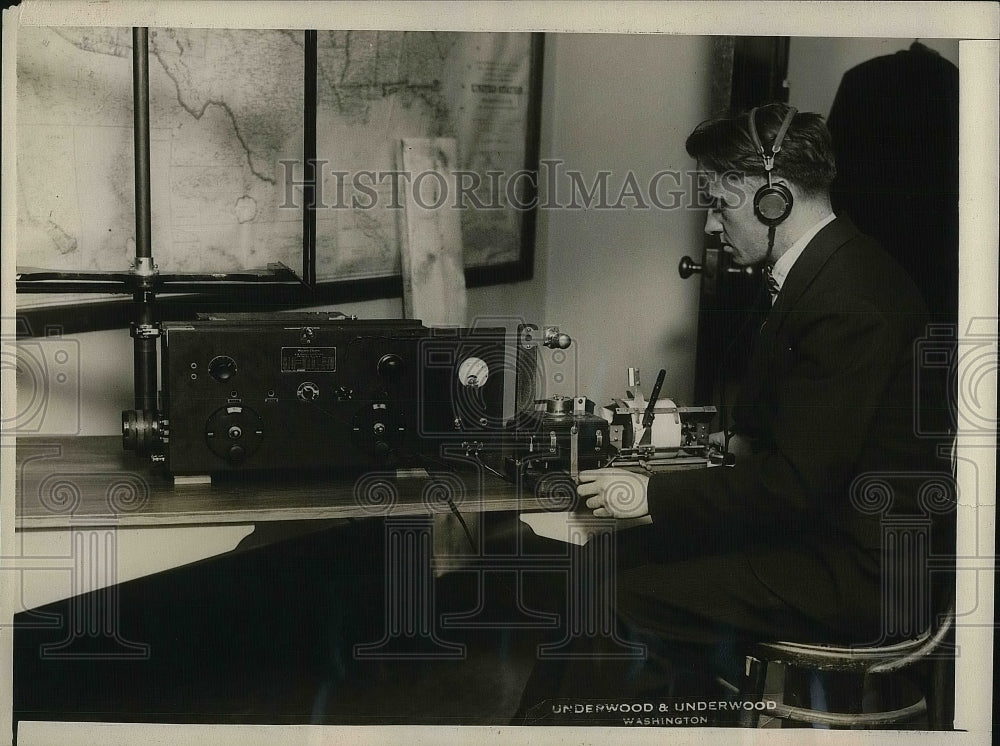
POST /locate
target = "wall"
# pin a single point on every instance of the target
(607, 277)
(626, 102)
(815, 66)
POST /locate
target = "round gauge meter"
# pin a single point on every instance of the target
(473, 372)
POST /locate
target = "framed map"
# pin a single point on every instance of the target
(227, 113)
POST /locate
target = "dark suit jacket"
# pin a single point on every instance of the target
(829, 397)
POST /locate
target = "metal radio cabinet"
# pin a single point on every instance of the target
(312, 391)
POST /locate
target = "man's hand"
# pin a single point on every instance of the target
(617, 493)
(738, 445)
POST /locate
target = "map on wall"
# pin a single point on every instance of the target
(226, 113)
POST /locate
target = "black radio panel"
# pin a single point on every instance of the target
(312, 391)
(462, 374)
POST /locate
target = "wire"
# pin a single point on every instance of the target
(489, 468)
(451, 503)
(465, 526)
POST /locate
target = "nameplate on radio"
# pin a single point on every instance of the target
(308, 359)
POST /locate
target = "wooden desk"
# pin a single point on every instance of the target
(68, 482)
(89, 515)
(117, 521)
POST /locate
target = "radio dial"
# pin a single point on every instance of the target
(473, 372)
(222, 368)
(234, 433)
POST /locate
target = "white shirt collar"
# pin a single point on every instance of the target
(784, 264)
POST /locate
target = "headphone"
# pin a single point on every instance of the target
(772, 203)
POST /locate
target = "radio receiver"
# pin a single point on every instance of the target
(314, 391)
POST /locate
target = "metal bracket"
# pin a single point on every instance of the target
(144, 267)
(145, 331)
(574, 452)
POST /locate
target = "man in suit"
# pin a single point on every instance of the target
(787, 542)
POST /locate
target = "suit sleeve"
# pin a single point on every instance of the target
(831, 376)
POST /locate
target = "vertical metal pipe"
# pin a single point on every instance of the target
(140, 115)
(144, 344)
(144, 355)
(309, 161)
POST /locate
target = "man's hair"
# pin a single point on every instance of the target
(806, 157)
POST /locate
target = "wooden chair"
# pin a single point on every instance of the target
(870, 665)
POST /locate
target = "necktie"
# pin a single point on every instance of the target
(772, 284)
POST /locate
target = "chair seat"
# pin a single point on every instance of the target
(861, 661)
(875, 659)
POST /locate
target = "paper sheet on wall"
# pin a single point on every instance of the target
(577, 528)
(431, 237)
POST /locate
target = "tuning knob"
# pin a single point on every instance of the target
(307, 391)
(389, 365)
(687, 267)
(222, 368)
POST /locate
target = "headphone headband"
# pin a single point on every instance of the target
(768, 158)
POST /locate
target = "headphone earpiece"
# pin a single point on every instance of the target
(772, 203)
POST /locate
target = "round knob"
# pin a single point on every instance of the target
(222, 368)
(235, 432)
(556, 341)
(236, 454)
(558, 404)
(307, 391)
(141, 431)
(378, 428)
(389, 365)
(687, 267)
